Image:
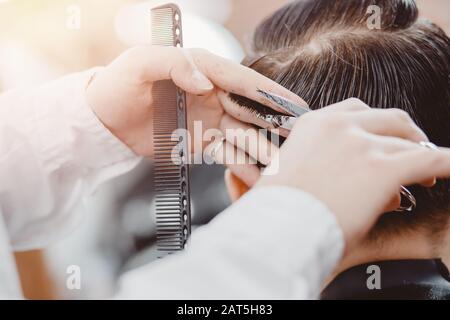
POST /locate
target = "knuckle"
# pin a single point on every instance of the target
(357, 139)
(401, 115)
(336, 121)
(357, 103)
(375, 159)
(310, 121)
(354, 100)
(134, 53)
(359, 142)
(436, 159)
(198, 51)
(307, 118)
(224, 123)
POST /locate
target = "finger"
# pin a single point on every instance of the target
(240, 163)
(351, 104)
(422, 164)
(159, 63)
(163, 63)
(394, 203)
(247, 116)
(230, 186)
(250, 140)
(390, 122)
(393, 145)
(236, 78)
(429, 182)
(235, 187)
(250, 116)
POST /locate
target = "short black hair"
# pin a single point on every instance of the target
(325, 52)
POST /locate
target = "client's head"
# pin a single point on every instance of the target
(326, 51)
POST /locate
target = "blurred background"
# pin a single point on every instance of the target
(41, 40)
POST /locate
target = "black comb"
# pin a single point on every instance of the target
(170, 143)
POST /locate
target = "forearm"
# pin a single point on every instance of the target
(274, 243)
(53, 150)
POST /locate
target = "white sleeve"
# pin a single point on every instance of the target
(53, 150)
(274, 243)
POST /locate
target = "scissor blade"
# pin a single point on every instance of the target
(289, 123)
(286, 105)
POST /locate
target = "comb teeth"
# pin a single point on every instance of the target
(166, 26)
(171, 171)
(171, 179)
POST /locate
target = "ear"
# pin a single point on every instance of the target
(235, 187)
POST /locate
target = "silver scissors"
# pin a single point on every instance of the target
(292, 109)
(295, 111)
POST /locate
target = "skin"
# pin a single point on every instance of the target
(120, 94)
(364, 143)
(417, 246)
(348, 130)
(413, 245)
(446, 251)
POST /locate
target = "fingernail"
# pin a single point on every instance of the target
(434, 182)
(201, 81)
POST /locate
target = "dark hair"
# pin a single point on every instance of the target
(325, 52)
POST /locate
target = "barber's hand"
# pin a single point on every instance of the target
(120, 94)
(354, 159)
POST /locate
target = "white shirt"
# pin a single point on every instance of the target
(274, 243)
